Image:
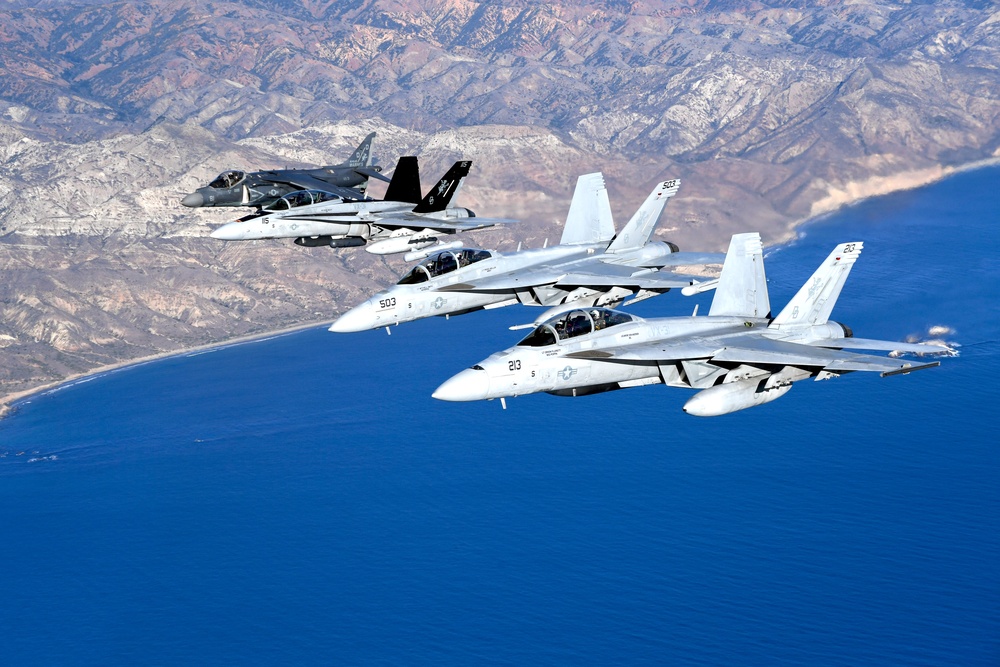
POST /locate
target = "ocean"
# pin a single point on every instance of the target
(303, 500)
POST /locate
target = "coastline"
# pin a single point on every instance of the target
(8, 403)
(856, 192)
(850, 194)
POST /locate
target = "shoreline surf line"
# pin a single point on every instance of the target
(9, 403)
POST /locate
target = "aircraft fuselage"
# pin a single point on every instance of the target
(525, 369)
(265, 187)
(366, 220)
(440, 296)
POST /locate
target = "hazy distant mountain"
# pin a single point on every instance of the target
(109, 111)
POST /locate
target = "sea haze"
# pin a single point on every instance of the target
(303, 500)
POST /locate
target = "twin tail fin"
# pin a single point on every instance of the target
(404, 185)
(742, 288)
(445, 190)
(636, 233)
(589, 219)
(815, 300)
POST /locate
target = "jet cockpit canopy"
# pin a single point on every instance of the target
(228, 179)
(443, 262)
(300, 198)
(574, 323)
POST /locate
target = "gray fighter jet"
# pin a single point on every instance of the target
(738, 356)
(402, 222)
(590, 266)
(347, 180)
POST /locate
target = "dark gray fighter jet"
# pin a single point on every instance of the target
(259, 188)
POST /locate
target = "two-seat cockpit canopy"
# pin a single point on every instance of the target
(300, 198)
(228, 179)
(574, 323)
(443, 262)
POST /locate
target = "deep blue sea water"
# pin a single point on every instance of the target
(303, 500)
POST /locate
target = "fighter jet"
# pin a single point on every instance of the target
(590, 266)
(347, 180)
(402, 222)
(738, 356)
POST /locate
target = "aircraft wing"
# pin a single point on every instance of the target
(686, 259)
(669, 350)
(416, 221)
(306, 182)
(885, 345)
(759, 350)
(611, 275)
(746, 350)
(505, 282)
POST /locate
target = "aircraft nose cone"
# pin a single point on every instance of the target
(194, 200)
(356, 319)
(229, 232)
(472, 384)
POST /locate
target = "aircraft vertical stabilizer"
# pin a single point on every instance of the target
(589, 219)
(742, 289)
(405, 183)
(636, 233)
(815, 300)
(362, 155)
(445, 190)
